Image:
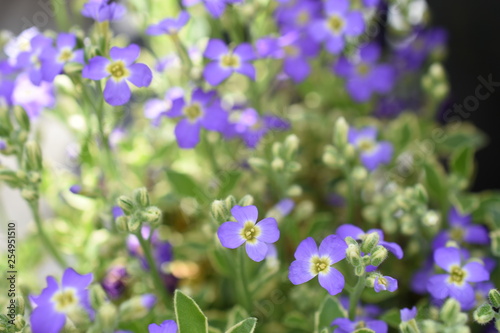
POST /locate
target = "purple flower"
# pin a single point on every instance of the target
(204, 110)
(54, 59)
(422, 274)
(168, 326)
(3, 145)
(169, 26)
(256, 236)
(311, 262)
(456, 283)
(31, 97)
(55, 302)
(345, 325)
(117, 212)
(148, 301)
(103, 10)
(215, 7)
(119, 70)
(155, 108)
(285, 206)
(31, 61)
(349, 230)
(114, 282)
(225, 62)
(339, 23)
(364, 75)
(408, 314)
(75, 189)
(372, 153)
(385, 283)
(461, 230)
(252, 127)
(19, 44)
(298, 15)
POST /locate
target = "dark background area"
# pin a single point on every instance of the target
(474, 50)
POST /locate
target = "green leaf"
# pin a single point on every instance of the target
(435, 181)
(462, 162)
(392, 318)
(185, 186)
(188, 314)
(214, 330)
(244, 326)
(329, 310)
(237, 314)
(297, 320)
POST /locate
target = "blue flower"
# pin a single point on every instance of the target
(372, 153)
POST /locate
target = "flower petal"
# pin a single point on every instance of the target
(476, 272)
(247, 70)
(349, 230)
(269, 230)
(66, 40)
(437, 286)
(127, 54)
(333, 247)
(245, 214)
(140, 75)
(464, 293)
(245, 52)
(300, 272)
(446, 257)
(306, 249)
(355, 24)
(256, 251)
(216, 48)
(187, 133)
(96, 68)
(117, 92)
(72, 279)
(229, 234)
(476, 234)
(45, 319)
(215, 74)
(215, 118)
(393, 248)
(333, 281)
(378, 326)
(455, 218)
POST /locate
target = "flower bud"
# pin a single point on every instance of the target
(20, 305)
(294, 191)
(19, 322)
(409, 327)
(258, 164)
(121, 223)
(126, 204)
(484, 314)
(450, 311)
(10, 177)
(219, 211)
(247, 200)
(134, 223)
(294, 166)
(107, 316)
(34, 177)
(340, 132)
(370, 241)
(350, 240)
(97, 296)
(379, 254)
(353, 255)
(431, 219)
(291, 145)
(332, 158)
(276, 149)
(152, 215)
(33, 156)
(359, 270)
(29, 194)
(230, 202)
(366, 260)
(495, 242)
(278, 164)
(494, 297)
(22, 119)
(137, 307)
(141, 197)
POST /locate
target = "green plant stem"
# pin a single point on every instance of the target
(45, 239)
(247, 299)
(356, 295)
(157, 281)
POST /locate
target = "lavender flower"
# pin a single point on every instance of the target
(385, 283)
(202, 111)
(155, 108)
(169, 26)
(103, 10)
(54, 59)
(246, 229)
(168, 326)
(225, 62)
(456, 282)
(215, 7)
(120, 70)
(20, 44)
(31, 97)
(55, 302)
(339, 23)
(298, 15)
(345, 325)
(311, 262)
(31, 62)
(462, 230)
(114, 282)
(372, 153)
(408, 314)
(364, 75)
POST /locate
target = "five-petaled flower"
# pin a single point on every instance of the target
(168, 326)
(120, 70)
(385, 283)
(311, 261)
(225, 61)
(103, 10)
(256, 236)
(456, 282)
(371, 152)
(56, 302)
(169, 26)
(55, 58)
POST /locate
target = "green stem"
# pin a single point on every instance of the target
(247, 300)
(45, 239)
(355, 296)
(61, 14)
(157, 281)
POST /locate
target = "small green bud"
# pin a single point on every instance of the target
(333, 158)
(29, 194)
(340, 132)
(19, 322)
(22, 119)
(359, 270)
(291, 146)
(20, 136)
(247, 200)
(366, 260)
(370, 241)
(353, 255)
(20, 305)
(33, 156)
(107, 316)
(219, 211)
(126, 204)
(34, 177)
(277, 149)
(494, 297)
(134, 223)
(359, 174)
(152, 215)
(97, 296)
(410, 326)
(135, 308)
(431, 219)
(141, 197)
(10, 177)
(258, 164)
(278, 164)
(294, 191)
(230, 202)
(294, 166)
(350, 240)
(378, 256)
(421, 193)
(450, 311)
(484, 314)
(495, 242)
(121, 223)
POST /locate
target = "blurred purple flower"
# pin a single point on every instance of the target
(169, 26)
(372, 153)
(114, 282)
(31, 97)
(155, 108)
(408, 314)
(385, 283)
(103, 10)
(54, 58)
(31, 61)
(168, 326)
(215, 7)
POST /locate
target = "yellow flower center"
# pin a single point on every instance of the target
(192, 111)
(230, 61)
(303, 18)
(118, 70)
(320, 265)
(363, 69)
(291, 50)
(382, 281)
(457, 234)
(250, 232)
(366, 145)
(457, 275)
(336, 23)
(65, 55)
(360, 324)
(65, 300)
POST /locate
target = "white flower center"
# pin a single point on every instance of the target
(65, 300)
